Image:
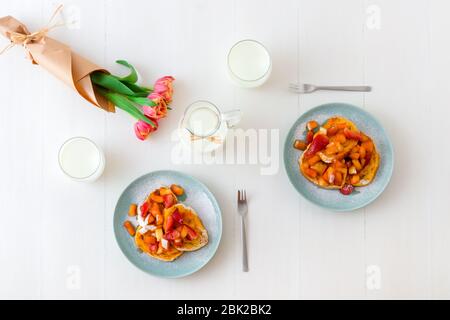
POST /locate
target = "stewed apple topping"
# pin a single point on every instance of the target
(337, 155)
(150, 217)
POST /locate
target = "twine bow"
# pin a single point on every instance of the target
(213, 139)
(23, 39)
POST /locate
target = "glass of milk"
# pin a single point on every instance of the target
(204, 127)
(81, 159)
(249, 64)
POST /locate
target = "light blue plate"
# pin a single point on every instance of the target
(333, 199)
(196, 196)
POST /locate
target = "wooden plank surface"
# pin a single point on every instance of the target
(57, 241)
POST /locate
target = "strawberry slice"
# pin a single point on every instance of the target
(347, 189)
(318, 144)
(309, 137)
(172, 235)
(191, 234)
(353, 135)
(153, 247)
(176, 215)
(144, 208)
(168, 200)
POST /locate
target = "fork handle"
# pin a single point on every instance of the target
(244, 246)
(345, 88)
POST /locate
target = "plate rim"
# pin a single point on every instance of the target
(215, 204)
(389, 145)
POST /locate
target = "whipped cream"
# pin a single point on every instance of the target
(143, 223)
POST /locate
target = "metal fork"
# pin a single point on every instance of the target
(309, 88)
(242, 209)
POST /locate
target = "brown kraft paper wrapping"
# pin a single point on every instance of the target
(57, 58)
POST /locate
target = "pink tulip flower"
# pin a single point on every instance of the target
(160, 110)
(163, 86)
(143, 129)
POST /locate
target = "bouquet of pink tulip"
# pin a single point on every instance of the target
(93, 83)
(146, 105)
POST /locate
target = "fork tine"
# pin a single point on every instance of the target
(293, 85)
(239, 195)
(245, 195)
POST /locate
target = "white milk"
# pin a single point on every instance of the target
(81, 159)
(204, 128)
(249, 63)
(203, 121)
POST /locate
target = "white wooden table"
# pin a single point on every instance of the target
(56, 237)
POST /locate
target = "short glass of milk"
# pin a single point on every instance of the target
(204, 127)
(249, 64)
(81, 159)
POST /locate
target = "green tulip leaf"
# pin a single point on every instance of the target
(132, 77)
(125, 104)
(110, 82)
(142, 101)
(138, 90)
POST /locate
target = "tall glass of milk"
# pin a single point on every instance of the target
(249, 64)
(81, 159)
(204, 127)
